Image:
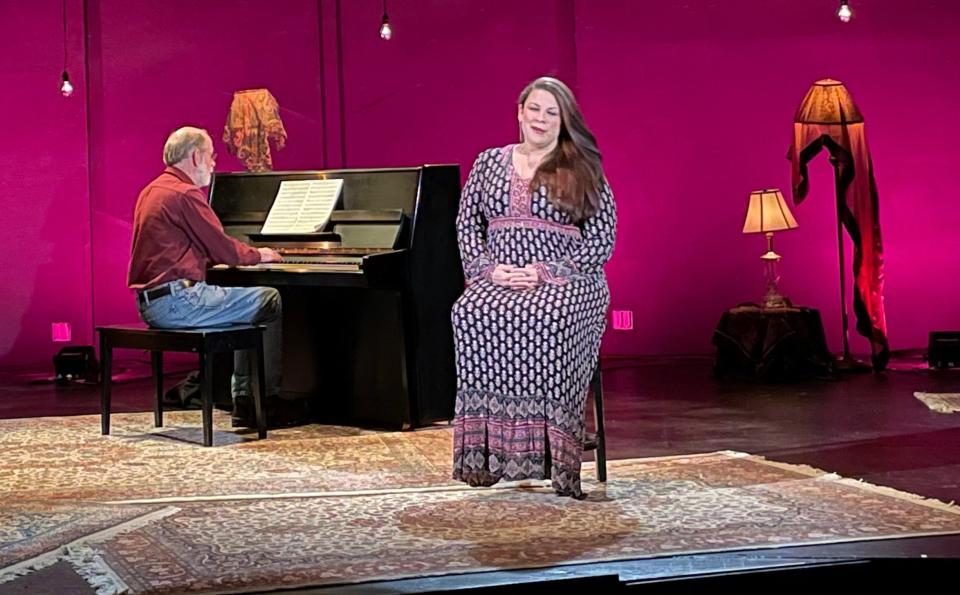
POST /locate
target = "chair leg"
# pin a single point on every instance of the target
(206, 393)
(156, 359)
(258, 372)
(601, 453)
(106, 372)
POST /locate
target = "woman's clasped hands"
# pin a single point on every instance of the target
(512, 277)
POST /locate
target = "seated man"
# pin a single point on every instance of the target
(176, 236)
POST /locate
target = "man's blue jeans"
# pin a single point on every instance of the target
(203, 305)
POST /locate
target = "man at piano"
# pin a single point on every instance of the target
(176, 236)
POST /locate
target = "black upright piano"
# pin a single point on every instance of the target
(367, 336)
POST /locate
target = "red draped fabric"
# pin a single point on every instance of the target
(859, 213)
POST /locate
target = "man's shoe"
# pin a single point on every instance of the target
(243, 415)
(280, 413)
(285, 413)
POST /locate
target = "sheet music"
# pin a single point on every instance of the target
(302, 205)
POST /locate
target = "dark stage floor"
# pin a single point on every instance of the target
(863, 426)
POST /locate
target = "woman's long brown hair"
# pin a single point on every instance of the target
(572, 172)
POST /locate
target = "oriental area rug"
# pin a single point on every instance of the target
(150, 511)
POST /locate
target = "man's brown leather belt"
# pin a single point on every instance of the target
(145, 297)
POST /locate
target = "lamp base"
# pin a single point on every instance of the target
(772, 299)
(775, 302)
(845, 364)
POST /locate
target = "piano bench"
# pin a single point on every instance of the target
(596, 441)
(205, 342)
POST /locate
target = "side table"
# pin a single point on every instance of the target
(772, 344)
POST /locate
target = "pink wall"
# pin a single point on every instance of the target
(445, 87)
(691, 103)
(45, 223)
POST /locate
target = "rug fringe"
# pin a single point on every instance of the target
(93, 569)
(794, 467)
(64, 552)
(732, 454)
(27, 566)
(940, 402)
(821, 475)
(901, 495)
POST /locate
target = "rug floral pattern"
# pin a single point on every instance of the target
(701, 503)
(67, 458)
(326, 505)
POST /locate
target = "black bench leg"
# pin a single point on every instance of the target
(156, 358)
(601, 454)
(106, 372)
(258, 372)
(206, 392)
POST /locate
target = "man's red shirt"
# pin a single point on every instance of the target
(176, 235)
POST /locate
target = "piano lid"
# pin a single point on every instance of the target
(371, 213)
(379, 209)
(245, 198)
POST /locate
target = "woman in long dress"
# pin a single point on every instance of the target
(537, 222)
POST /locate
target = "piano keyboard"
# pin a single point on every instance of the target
(300, 252)
(308, 266)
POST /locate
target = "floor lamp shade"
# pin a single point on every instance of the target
(828, 102)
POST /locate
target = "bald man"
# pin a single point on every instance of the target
(176, 237)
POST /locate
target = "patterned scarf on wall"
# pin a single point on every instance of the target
(254, 119)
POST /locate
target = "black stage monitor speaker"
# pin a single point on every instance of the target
(77, 362)
(944, 349)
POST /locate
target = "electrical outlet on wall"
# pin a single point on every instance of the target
(60, 332)
(623, 320)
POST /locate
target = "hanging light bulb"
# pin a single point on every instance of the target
(386, 32)
(66, 88)
(844, 12)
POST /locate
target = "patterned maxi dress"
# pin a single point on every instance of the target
(525, 357)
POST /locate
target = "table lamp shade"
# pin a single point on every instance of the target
(828, 102)
(768, 212)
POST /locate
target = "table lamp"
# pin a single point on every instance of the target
(767, 213)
